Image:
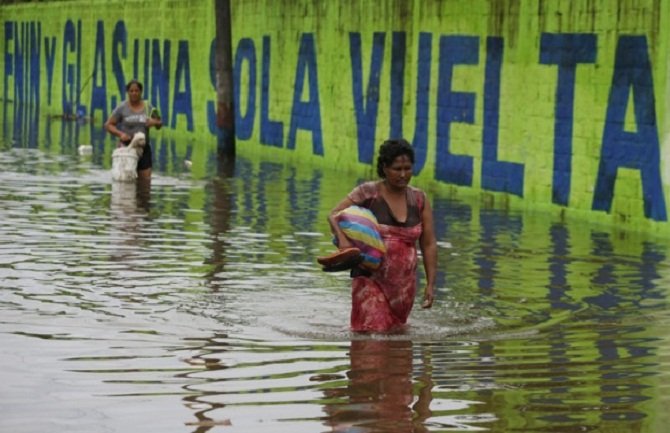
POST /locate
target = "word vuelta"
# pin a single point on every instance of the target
(169, 88)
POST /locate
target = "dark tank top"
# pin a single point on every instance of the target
(368, 195)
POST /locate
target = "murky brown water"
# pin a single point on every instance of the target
(195, 305)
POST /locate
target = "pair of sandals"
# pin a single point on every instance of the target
(341, 260)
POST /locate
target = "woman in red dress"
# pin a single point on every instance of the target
(382, 299)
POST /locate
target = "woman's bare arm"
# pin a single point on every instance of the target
(342, 240)
(428, 245)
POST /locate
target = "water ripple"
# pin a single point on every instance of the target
(196, 305)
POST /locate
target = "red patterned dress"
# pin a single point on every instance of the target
(383, 299)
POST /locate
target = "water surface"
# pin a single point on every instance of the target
(194, 304)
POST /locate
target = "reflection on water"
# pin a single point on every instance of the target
(194, 304)
(379, 391)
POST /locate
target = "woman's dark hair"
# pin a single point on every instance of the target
(390, 150)
(134, 81)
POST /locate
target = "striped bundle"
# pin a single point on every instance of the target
(362, 229)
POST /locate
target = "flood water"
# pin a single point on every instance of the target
(195, 304)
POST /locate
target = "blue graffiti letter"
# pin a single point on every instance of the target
(69, 73)
(35, 51)
(366, 111)
(420, 142)
(244, 124)
(99, 91)
(182, 98)
(160, 79)
(306, 115)
(497, 175)
(638, 150)
(398, 50)
(272, 132)
(9, 59)
(565, 50)
(119, 51)
(454, 107)
(20, 64)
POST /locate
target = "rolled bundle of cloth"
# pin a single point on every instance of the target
(361, 228)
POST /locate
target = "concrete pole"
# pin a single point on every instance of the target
(225, 118)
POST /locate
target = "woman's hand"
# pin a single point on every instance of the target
(157, 123)
(125, 137)
(428, 297)
(343, 243)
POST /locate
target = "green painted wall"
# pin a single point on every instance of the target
(550, 105)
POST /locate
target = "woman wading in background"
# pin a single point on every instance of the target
(131, 116)
(382, 299)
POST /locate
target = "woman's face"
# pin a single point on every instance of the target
(399, 172)
(134, 93)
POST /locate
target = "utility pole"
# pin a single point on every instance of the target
(225, 118)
